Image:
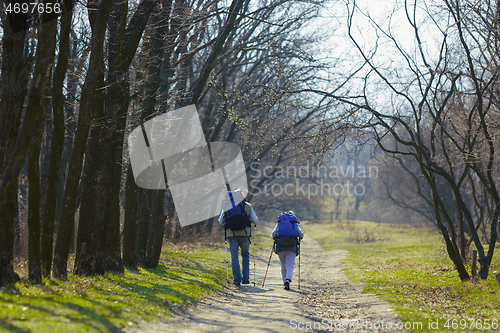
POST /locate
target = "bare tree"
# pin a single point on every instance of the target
(449, 140)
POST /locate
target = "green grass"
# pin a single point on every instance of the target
(113, 301)
(263, 241)
(407, 265)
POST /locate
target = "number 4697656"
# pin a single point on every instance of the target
(484, 324)
(33, 7)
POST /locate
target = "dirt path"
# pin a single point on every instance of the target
(325, 294)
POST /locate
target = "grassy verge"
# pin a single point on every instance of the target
(263, 241)
(407, 266)
(108, 303)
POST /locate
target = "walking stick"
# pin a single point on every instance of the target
(227, 268)
(299, 267)
(254, 237)
(225, 237)
(268, 264)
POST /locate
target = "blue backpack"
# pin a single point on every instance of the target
(236, 217)
(287, 230)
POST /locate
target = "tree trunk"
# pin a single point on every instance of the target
(146, 207)
(13, 89)
(40, 80)
(170, 216)
(100, 190)
(70, 124)
(93, 82)
(45, 153)
(57, 143)
(37, 104)
(34, 176)
(156, 231)
(34, 226)
(126, 42)
(92, 227)
(130, 223)
(114, 260)
(112, 135)
(150, 220)
(451, 245)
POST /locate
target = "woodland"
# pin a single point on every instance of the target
(410, 90)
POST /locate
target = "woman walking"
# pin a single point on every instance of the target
(286, 235)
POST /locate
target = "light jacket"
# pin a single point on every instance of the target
(247, 231)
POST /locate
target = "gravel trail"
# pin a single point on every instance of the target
(325, 296)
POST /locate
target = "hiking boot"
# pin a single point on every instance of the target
(287, 284)
(237, 284)
(246, 282)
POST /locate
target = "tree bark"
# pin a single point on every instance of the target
(34, 225)
(130, 223)
(146, 201)
(100, 212)
(451, 248)
(156, 231)
(43, 62)
(60, 255)
(91, 238)
(153, 220)
(99, 224)
(57, 141)
(36, 103)
(13, 89)
(93, 82)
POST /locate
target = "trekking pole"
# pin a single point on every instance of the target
(225, 240)
(299, 267)
(254, 237)
(227, 268)
(268, 264)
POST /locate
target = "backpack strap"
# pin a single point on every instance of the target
(244, 206)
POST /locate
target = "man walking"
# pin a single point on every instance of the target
(237, 219)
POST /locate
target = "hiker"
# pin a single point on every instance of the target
(237, 219)
(286, 235)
